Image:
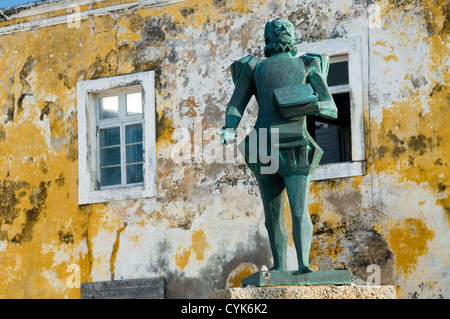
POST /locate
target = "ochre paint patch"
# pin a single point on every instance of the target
(198, 246)
(408, 240)
(240, 272)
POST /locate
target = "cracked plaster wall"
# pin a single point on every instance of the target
(207, 219)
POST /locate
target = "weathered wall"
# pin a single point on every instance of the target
(207, 218)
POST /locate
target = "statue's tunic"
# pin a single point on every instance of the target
(299, 154)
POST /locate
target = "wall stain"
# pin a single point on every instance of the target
(43, 166)
(11, 195)
(67, 81)
(37, 201)
(148, 53)
(164, 128)
(9, 107)
(97, 69)
(2, 134)
(112, 62)
(60, 180)
(112, 260)
(65, 237)
(48, 105)
(26, 71)
(136, 22)
(420, 144)
(369, 247)
(20, 102)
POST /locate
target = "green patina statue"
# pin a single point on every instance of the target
(287, 89)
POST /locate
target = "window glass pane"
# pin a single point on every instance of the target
(110, 136)
(338, 73)
(135, 174)
(134, 133)
(109, 156)
(110, 176)
(134, 103)
(109, 107)
(134, 153)
(327, 136)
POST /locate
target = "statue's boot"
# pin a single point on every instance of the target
(297, 187)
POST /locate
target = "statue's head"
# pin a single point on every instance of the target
(279, 37)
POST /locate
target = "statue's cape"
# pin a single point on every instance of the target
(318, 62)
(244, 66)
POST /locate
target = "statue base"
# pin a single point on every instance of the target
(307, 292)
(292, 278)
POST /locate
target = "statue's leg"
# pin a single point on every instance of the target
(273, 197)
(297, 166)
(297, 187)
(272, 191)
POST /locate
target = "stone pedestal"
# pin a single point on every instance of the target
(293, 278)
(307, 292)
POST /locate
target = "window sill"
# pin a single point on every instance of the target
(339, 170)
(116, 194)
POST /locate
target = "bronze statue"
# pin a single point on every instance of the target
(287, 90)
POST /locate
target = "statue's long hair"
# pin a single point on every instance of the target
(272, 47)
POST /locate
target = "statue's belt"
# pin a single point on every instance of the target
(302, 142)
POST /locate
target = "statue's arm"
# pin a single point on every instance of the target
(242, 72)
(317, 68)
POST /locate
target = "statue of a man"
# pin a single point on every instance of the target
(287, 89)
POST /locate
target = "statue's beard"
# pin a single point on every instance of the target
(279, 47)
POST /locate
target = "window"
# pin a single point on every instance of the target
(342, 139)
(116, 128)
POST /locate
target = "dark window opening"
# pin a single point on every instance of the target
(333, 136)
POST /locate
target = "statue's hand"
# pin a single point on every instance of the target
(228, 135)
(328, 109)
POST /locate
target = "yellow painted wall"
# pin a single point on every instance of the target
(207, 219)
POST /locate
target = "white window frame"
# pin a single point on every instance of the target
(88, 189)
(352, 48)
